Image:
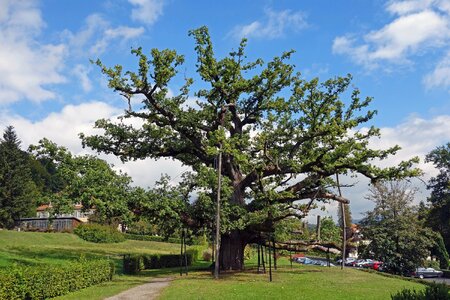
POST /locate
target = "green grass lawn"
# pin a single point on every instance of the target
(54, 248)
(34, 248)
(300, 282)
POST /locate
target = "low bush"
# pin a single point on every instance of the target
(446, 273)
(160, 261)
(156, 238)
(207, 255)
(431, 264)
(97, 233)
(132, 264)
(433, 291)
(42, 282)
(151, 238)
(194, 253)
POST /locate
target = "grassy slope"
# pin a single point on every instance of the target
(301, 282)
(36, 248)
(57, 248)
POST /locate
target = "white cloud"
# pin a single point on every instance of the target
(63, 128)
(275, 24)
(440, 76)
(97, 34)
(122, 33)
(417, 137)
(27, 65)
(82, 73)
(408, 6)
(146, 11)
(417, 27)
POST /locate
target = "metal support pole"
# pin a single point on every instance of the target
(219, 186)
(344, 233)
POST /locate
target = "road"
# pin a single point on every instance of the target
(439, 280)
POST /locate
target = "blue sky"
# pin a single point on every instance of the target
(397, 51)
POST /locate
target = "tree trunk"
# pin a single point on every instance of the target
(232, 251)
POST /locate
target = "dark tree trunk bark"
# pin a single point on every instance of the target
(232, 251)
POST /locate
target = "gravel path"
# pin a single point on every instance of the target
(146, 291)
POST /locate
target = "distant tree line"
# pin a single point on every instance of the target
(401, 234)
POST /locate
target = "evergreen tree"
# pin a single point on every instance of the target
(439, 214)
(18, 191)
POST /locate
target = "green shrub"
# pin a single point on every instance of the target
(97, 233)
(432, 292)
(159, 261)
(132, 264)
(207, 255)
(446, 273)
(42, 282)
(431, 264)
(155, 238)
(194, 253)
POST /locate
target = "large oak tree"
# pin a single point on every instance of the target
(283, 137)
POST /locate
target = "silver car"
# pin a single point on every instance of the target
(427, 273)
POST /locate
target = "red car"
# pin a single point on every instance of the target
(377, 265)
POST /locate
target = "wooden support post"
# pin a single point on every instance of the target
(318, 228)
(328, 257)
(270, 264)
(185, 253)
(262, 259)
(259, 258)
(181, 254)
(274, 255)
(290, 256)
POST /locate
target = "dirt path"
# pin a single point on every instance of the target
(146, 291)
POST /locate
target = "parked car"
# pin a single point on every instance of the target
(359, 263)
(348, 261)
(368, 264)
(427, 273)
(378, 266)
(322, 263)
(306, 260)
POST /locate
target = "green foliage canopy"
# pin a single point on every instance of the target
(88, 180)
(439, 213)
(396, 235)
(282, 136)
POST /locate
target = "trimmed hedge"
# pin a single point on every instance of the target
(97, 233)
(435, 291)
(155, 238)
(132, 264)
(446, 273)
(42, 282)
